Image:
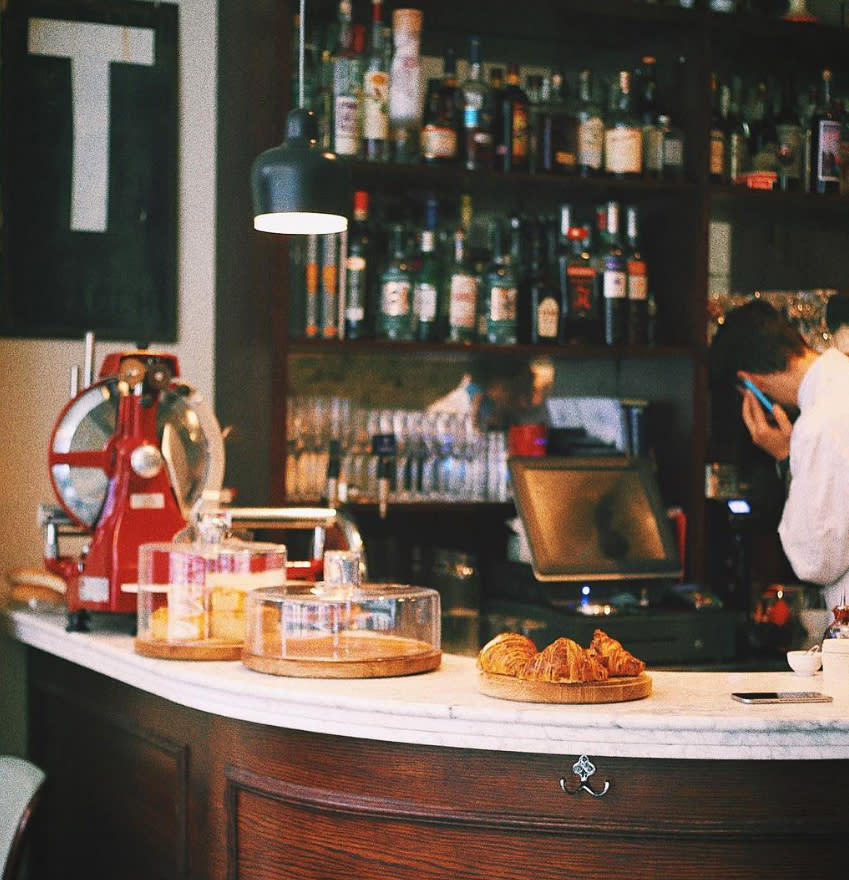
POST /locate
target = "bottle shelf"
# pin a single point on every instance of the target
(457, 351)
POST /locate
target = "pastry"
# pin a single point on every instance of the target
(616, 659)
(227, 614)
(506, 654)
(566, 661)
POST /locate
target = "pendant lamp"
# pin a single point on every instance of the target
(298, 188)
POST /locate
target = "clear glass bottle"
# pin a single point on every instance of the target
(623, 135)
(673, 149)
(396, 289)
(462, 298)
(405, 85)
(375, 96)
(500, 291)
(347, 83)
(590, 128)
(478, 143)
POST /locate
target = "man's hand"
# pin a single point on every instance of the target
(772, 436)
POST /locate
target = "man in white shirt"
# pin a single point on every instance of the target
(756, 342)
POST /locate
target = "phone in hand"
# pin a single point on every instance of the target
(764, 401)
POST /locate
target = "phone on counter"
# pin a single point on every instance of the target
(765, 402)
(781, 697)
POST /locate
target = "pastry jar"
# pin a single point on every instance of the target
(326, 631)
(191, 596)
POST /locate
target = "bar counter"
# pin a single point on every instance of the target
(211, 770)
(688, 714)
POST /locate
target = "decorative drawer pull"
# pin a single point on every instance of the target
(583, 768)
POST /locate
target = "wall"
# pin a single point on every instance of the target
(36, 372)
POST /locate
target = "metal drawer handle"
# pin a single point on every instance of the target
(583, 768)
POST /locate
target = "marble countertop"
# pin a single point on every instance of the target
(689, 715)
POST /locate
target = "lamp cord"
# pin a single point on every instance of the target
(301, 53)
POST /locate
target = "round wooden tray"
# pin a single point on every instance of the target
(208, 649)
(358, 655)
(614, 690)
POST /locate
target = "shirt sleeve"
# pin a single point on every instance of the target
(814, 527)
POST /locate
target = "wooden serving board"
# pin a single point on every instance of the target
(208, 649)
(614, 690)
(348, 655)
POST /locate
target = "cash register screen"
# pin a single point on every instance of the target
(592, 518)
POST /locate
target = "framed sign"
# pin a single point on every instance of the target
(88, 169)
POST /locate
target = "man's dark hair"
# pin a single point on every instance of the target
(755, 338)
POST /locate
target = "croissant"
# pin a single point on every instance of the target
(564, 660)
(506, 654)
(617, 660)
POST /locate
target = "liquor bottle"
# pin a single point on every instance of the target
(590, 128)
(578, 283)
(347, 80)
(762, 136)
(358, 269)
(647, 109)
(673, 149)
(555, 130)
(623, 135)
(323, 101)
(718, 155)
(477, 114)
(442, 121)
(462, 299)
(538, 310)
(396, 287)
(637, 281)
(614, 282)
(427, 283)
(825, 141)
(516, 109)
(500, 291)
(330, 286)
(375, 98)
(500, 118)
(789, 140)
(737, 129)
(312, 308)
(405, 85)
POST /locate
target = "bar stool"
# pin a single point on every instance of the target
(21, 783)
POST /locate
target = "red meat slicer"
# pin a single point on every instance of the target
(129, 455)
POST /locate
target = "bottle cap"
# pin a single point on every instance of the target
(360, 201)
(407, 22)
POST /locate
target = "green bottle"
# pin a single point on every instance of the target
(396, 288)
(500, 291)
(427, 290)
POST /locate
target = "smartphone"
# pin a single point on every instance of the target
(781, 697)
(765, 402)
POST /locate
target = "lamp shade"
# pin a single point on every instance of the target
(297, 187)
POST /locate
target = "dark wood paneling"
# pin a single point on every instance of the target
(141, 787)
